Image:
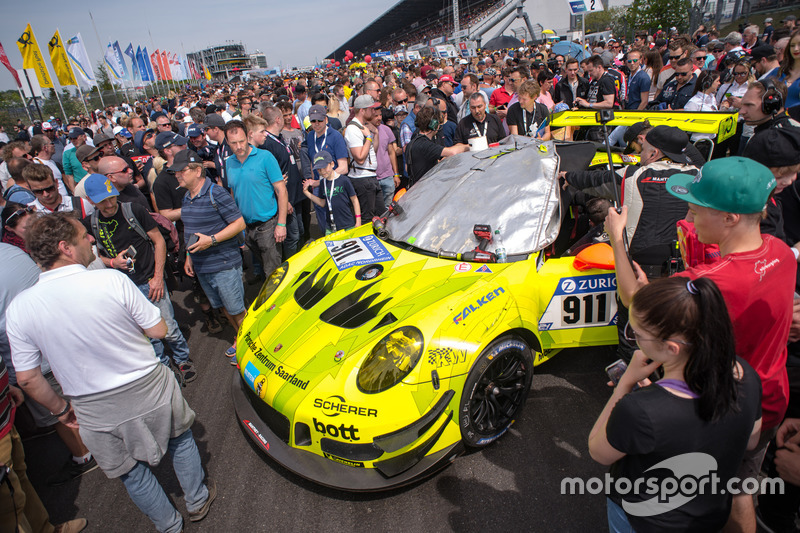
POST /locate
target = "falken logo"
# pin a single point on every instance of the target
(480, 302)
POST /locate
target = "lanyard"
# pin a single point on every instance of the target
(525, 122)
(477, 131)
(329, 198)
(316, 150)
(288, 150)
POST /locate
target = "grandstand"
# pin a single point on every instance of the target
(416, 22)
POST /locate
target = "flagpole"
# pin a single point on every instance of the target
(100, 44)
(54, 89)
(25, 104)
(69, 66)
(121, 80)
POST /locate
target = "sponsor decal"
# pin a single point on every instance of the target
(257, 434)
(337, 405)
(346, 462)
(358, 251)
(260, 386)
(250, 374)
(487, 440)
(338, 432)
(484, 270)
(582, 301)
(679, 189)
(480, 302)
(338, 357)
(761, 267)
(271, 307)
(654, 179)
(278, 347)
(462, 267)
(278, 370)
(446, 357)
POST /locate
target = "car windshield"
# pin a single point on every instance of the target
(513, 188)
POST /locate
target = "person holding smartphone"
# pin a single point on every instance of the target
(709, 405)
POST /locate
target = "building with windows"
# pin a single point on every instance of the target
(258, 59)
(225, 60)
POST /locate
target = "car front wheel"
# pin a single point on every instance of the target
(495, 391)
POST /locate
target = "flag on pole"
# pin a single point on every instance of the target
(165, 65)
(110, 61)
(206, 72)
(60, 61)
(32, 57)
(134, 68)
(120, 61)
(4, 60)
(80, 59)
(193, 70)
(155, 60)
(148, 65)
(141, 66)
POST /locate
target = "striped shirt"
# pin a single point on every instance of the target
(200, 215)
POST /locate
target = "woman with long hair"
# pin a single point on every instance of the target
(790, 70)
(16, 218)
(653, 63)
(705, 411)
(704, 98)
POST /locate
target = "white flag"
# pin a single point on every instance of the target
(80, 59)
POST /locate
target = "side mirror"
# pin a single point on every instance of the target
(599, 255)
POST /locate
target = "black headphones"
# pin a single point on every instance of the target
(434, 123)
(772, 99)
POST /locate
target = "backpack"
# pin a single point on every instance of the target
(165, 226)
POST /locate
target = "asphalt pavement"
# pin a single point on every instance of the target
(512, 485)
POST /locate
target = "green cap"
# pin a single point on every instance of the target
(731, 184)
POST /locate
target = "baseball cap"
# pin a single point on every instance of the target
(100, 138)
(762, 51)
(214, 121)
(187, 119)
(670, 140)
(122, 131)
(634, 130)
(398, 109)
(195, 130)
(322, 159)
(84, 152)
(98, 187)
(365, 101)
(775, 147)
(182, 160)
(790, 17)
(211, 108)
(317, 112)
(74, 133)
(165, 139)
(445, 78)
(731, 184)
(491, 71)
(768, 19)
(46, 126)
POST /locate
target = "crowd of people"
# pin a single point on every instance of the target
(207, 183)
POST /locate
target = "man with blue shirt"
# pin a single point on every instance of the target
(211, 221)
(255, 179)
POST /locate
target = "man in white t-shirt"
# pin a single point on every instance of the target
(43, 150)
(360, 138)
(128, 406)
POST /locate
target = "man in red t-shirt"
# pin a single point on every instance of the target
(756, 276)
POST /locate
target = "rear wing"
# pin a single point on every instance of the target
(721, 124)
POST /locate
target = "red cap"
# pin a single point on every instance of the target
(447, 77)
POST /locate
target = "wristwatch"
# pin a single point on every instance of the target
(213, 240)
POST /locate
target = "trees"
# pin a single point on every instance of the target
(103, 78)
(651, 15)
(613, 18)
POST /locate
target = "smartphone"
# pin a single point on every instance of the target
(615, 370)
(131, 252)
(193, 238)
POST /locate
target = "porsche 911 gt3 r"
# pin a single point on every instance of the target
(375, 355)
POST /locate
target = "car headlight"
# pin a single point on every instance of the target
(268, 289)
(391, 360)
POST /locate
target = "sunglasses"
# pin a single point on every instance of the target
(403, 101)
(674, 58)
(699, 58)
(632, 60)
(316, 121)
(16, 214)
(51, 189)
(740, 73)
(632, 335)
(682, 74)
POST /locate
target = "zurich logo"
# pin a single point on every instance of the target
(568, 285)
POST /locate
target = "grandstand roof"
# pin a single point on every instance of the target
(396, 19)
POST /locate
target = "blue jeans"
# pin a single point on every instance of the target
(175, 339)
(387, 188)
(617, 519)
(616, 137)
(224, 289)
(149, 497)
(294, 232)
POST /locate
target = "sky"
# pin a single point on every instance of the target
(295, 33)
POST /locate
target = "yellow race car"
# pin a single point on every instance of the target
(375, 355)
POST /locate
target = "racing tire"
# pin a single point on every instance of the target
(495, 391)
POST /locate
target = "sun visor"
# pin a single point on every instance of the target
(512, 187)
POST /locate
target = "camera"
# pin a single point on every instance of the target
(604, 116)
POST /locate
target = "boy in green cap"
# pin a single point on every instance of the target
(756, 276)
